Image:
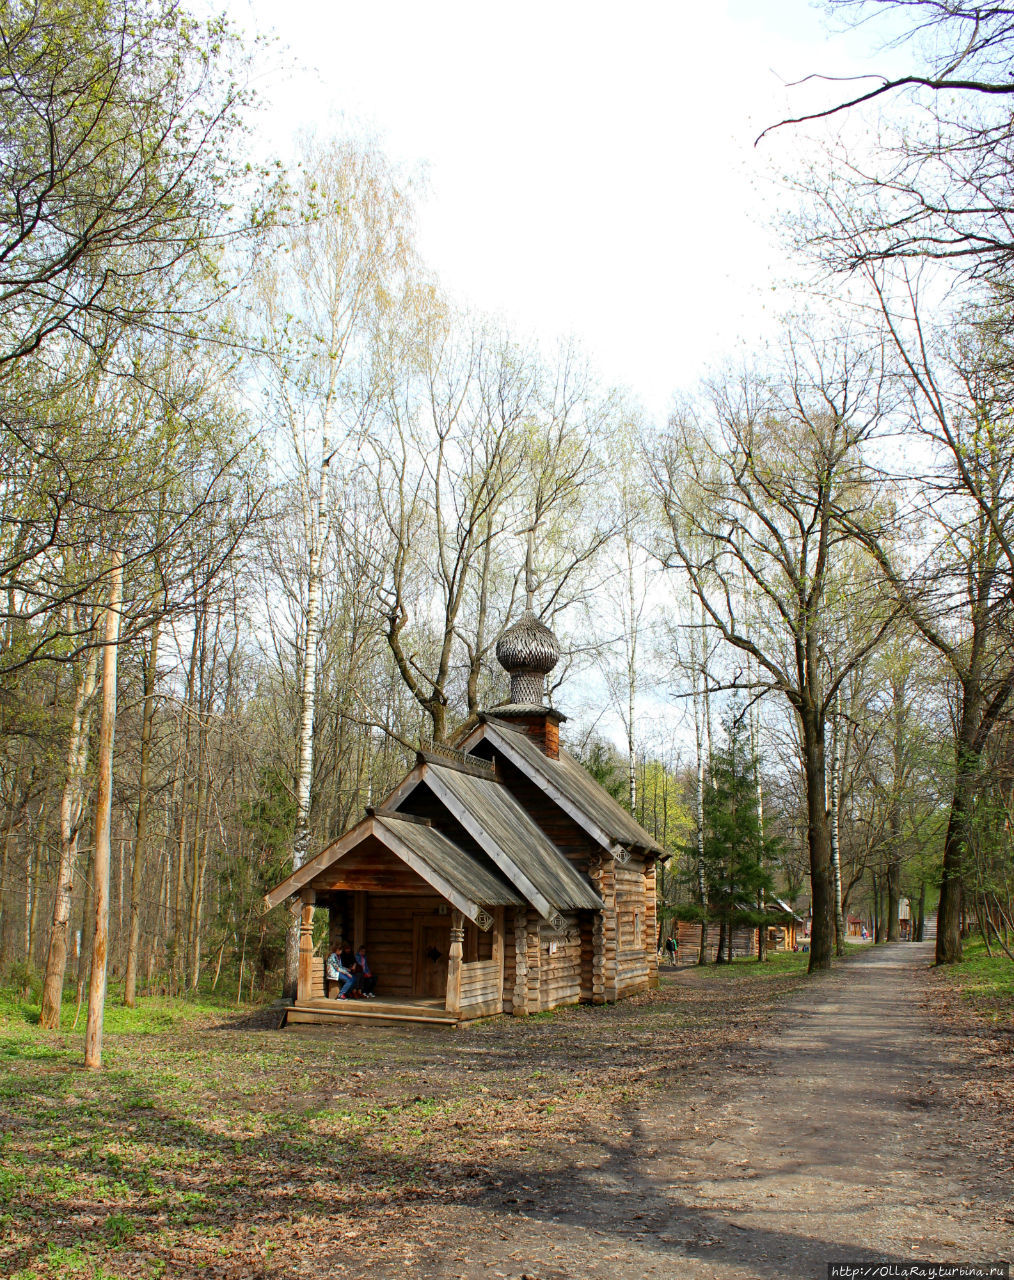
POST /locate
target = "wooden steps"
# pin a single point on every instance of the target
(380, 1011)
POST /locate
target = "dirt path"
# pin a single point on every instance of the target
(838, 1136)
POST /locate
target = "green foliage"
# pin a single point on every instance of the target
(22, 978)
(736, 853)
(603, 762)
(270, 819)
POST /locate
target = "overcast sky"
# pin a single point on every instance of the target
(590, 167)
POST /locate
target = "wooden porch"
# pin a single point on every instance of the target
(433, 964)
(384, 1010)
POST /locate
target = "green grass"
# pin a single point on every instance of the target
(779, 964)
(986, 981)
(150, 1016)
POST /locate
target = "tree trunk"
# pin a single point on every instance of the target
(878, 914)
(948, 948)
(762, 932)
(818, 839)
(103, 815)
(315, 520)
(71, 809)
(723, 942)
(701, 724)
(893, 900)
(33, 911)
(176, 958)
(839, 913)
(141, 836)
(921, 926)
(85, 948)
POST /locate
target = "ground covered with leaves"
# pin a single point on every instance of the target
(209, 1146)
(215, 1145)
(974, 1003)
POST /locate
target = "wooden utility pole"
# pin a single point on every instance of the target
(103, 814)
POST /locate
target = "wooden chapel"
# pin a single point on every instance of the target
(497, 876)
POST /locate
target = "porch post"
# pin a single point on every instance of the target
(498, 915)
(359, 918)
(304, 982)
(453, 1001)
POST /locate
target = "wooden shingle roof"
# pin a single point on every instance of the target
(512, 839)
(457, 867)
(455, 874)
(569, 785)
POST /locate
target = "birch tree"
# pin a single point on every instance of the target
(103, 811)
(325, 287)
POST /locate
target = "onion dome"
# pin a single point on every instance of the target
(528, 651)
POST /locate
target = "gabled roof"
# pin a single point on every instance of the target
(457, 867)
(569, 785)
(455, 874)
(512, 840)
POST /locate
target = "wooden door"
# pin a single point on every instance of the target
(432, 943)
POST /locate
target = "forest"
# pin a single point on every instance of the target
(266, 488)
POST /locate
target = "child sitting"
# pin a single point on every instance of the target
(336, 971)
(367, 978)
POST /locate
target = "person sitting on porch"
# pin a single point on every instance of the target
(336, 971)
(367, 978)
(347, 959)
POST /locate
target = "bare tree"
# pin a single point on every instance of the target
(959, 592)
(759, 492)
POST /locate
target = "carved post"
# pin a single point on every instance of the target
(498, 952)
(453, 1002)
(520, 963)
(304, 981)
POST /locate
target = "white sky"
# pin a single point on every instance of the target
(591, 169)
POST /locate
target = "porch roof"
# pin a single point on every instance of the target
(448, 869)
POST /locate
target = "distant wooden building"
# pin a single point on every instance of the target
(781, 935)
(497, 877)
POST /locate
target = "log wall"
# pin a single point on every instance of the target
(560, 964)
(632, 962)
(480, 985)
